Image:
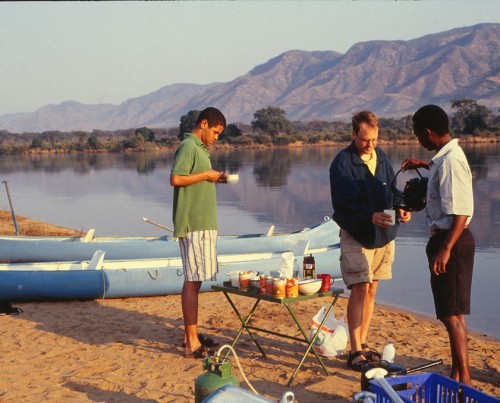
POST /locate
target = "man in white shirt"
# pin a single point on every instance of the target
(451, 247)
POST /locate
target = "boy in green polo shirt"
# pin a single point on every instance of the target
(195, 218)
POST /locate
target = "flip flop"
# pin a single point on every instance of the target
(200, 352)
(205, 341)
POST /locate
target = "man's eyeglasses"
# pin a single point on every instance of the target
(366, 142)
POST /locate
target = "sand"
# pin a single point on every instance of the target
(129, 350)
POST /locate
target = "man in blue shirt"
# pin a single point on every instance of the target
(360, 182)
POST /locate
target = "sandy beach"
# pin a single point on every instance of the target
(129, 350)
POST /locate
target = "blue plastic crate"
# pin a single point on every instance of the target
(430, 388)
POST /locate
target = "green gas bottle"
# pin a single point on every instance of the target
(218, 374)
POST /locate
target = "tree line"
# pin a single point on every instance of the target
(269, 127)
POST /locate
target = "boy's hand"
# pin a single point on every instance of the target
(216, 176)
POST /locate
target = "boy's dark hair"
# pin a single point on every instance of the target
(431, 117)
(363, 117)
(213, 116)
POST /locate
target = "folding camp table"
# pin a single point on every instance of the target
(228, 290)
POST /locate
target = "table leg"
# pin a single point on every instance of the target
(244, 324)
(310, 343)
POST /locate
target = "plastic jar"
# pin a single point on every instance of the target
(389, 352)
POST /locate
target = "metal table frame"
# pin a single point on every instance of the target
(245, 321)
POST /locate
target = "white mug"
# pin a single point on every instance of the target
(232, 178)
(392, 213)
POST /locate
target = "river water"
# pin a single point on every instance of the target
(288, 188)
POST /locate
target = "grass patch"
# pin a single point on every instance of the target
(28, 226)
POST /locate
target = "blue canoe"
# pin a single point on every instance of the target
(59, 248)
(101, 278)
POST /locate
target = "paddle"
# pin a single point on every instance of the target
(11, 208)
(158, 225)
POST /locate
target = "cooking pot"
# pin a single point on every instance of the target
(392, 370)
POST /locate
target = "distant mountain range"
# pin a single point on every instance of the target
(391, 78)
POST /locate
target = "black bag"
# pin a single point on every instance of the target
(392, 371)
(414, 195)
(6, 308)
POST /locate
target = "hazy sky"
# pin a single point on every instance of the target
(107, 52)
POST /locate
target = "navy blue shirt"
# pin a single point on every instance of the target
(357, 194)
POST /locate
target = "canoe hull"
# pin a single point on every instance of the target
(133, 278)
(55, 249)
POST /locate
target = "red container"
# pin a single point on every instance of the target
(326, 282)
(292, 288)
(262, 284)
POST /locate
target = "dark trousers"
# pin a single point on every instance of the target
(452, 289)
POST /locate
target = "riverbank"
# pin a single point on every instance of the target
(129, 350)
(158, 147)
(28, 226)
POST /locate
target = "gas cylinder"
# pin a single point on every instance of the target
(218, 374)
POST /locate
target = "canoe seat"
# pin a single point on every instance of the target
(96, 261)
(89, 235)
(301, 248)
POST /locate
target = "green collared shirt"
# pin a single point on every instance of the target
(195, 206)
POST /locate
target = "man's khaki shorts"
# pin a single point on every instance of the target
(361, 265)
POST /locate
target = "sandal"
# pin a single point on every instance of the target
(200, 352)
(207, 342)
(358, 365)
(370, 353)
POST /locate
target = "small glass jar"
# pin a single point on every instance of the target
(269, 285)
(309, 267)
(244, 281)
(262, 284)
(279, 288)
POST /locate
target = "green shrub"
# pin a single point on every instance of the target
(315, 138)
(263, 139)
(283, 140)
(37, 143)
(241, 141)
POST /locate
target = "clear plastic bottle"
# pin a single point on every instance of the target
(389, 352)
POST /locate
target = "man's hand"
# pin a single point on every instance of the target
(438, 263)
(381, 219)
(404, 215)
(413, 163)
